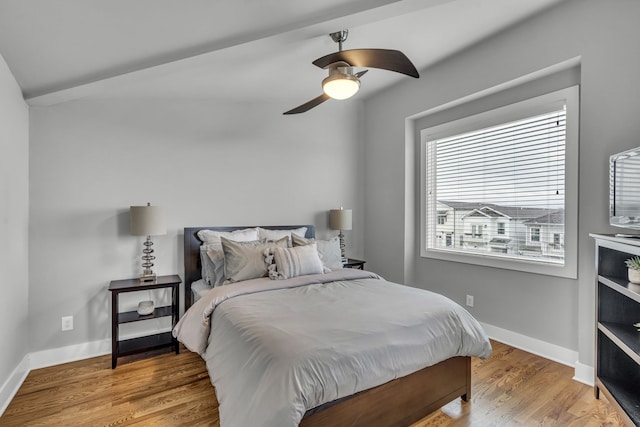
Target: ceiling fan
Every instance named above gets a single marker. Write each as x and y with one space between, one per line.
342 82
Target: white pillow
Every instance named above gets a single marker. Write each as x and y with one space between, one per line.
244 235
263 233
298 261
329 250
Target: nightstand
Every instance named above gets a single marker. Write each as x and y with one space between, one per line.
150 342
354 263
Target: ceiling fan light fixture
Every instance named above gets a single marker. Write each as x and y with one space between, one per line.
341 83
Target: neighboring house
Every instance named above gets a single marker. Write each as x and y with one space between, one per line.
494 228
545 235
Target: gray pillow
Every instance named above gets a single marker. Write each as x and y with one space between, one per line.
245 260
209 270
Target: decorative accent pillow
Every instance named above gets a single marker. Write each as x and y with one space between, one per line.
297 261
244 235
245 260
329 250
263 233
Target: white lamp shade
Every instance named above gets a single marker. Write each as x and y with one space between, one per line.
147 221
340 219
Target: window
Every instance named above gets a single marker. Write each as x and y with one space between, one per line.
535 234
441 219
508 165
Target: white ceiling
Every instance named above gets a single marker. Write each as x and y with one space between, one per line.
227 49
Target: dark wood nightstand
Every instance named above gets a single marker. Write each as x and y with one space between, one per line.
150 342
354 263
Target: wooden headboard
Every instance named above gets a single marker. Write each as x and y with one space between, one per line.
192 265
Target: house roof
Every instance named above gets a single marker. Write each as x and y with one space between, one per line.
494 210
555 217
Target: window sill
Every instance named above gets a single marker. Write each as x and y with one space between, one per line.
506 263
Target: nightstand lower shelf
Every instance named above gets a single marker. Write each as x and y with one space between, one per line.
147 343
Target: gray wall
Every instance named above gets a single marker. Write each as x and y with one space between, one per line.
14 223
205 162
555 310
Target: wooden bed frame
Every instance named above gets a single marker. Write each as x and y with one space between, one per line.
397 403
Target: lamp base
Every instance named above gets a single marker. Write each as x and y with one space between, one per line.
148 277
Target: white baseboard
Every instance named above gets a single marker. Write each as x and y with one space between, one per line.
582 373
13 383
46 358
70 353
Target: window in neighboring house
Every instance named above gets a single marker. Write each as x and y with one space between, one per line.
508 162
449 240
441 219
535 234
556 240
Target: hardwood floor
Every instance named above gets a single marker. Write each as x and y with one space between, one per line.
511 388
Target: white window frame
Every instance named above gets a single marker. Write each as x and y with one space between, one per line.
536 234
512 112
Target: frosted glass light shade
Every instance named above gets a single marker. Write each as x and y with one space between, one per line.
340 86
340 219
147 221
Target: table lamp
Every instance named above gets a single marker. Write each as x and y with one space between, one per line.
340 219
147 221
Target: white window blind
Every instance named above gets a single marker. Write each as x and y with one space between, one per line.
497 185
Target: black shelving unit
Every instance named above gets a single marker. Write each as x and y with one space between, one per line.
146 343
617 373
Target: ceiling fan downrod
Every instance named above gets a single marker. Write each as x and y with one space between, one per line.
340 37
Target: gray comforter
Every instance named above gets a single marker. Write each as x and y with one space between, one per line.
276 348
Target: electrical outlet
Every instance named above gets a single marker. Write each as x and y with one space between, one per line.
67 323
470 300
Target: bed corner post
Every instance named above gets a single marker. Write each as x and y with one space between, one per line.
467 395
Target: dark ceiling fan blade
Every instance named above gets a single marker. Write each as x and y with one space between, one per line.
386 59
308 105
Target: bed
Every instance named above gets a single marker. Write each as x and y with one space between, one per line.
397 401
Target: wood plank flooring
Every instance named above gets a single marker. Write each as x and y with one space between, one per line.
511 388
